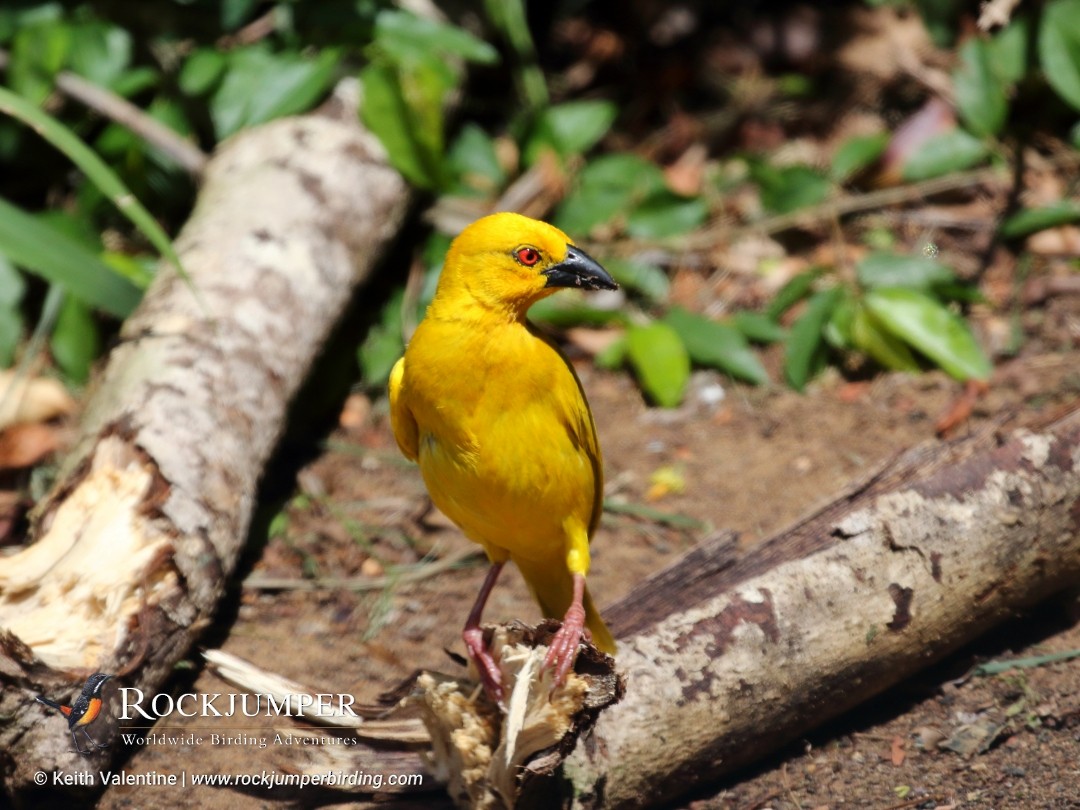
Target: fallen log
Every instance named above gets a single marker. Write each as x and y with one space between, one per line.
133 548
728 659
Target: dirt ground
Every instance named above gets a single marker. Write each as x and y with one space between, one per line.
752 462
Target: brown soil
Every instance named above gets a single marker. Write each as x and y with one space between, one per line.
753 463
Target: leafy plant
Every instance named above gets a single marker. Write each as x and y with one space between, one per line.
895 313
414 66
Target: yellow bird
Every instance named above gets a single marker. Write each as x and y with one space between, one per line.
498 421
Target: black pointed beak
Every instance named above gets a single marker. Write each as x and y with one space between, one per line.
579 270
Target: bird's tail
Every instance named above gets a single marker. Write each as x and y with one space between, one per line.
52 704
553 588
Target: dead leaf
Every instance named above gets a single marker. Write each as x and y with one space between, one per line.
665 481
685 175
25 444
852 392
34 399
592 341
897 753
12 507
356 412
959 410
975 738
934 118
1063 241
371 568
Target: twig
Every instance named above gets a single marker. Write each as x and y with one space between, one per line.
188 156
414 573
848 204
238 672
708 238
996 13
258 29
915 802
672 519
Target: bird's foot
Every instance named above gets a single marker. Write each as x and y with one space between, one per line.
564 645
490 674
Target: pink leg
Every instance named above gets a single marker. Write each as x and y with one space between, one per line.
564 645
490 675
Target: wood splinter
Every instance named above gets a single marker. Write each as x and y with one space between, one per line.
490 758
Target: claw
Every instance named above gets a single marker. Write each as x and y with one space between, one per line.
473 635
486 666
564 645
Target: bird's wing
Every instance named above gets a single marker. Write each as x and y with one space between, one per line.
401 418
582 430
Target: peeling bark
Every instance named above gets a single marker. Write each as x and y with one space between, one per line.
133 548
727 660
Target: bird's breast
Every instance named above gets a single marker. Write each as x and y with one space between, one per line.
496 449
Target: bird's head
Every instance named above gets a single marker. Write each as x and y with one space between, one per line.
95 682
507 262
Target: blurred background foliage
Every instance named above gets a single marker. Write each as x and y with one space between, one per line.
756 178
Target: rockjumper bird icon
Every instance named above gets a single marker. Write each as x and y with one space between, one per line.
84 711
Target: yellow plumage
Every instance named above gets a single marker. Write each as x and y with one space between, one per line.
496 417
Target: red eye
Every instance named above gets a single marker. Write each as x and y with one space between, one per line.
527 256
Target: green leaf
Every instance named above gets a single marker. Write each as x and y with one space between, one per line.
12 290
260 86
788 188
55 256
1030 220
15 16
624 170
718 345
384 343
473 159
570 129
11 334
235 12
980 93
794 291
868 335
570 309
804 350
856 153
508 17
408 38
201 71
99 174
660 361
139 270
647 279
386 114
135 81
608 186
925 324
948 152
424 86
758 327
837 330
665 214
1009 51
38 52
898 270
613 355
12 285
100 52
75 340
1059 48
